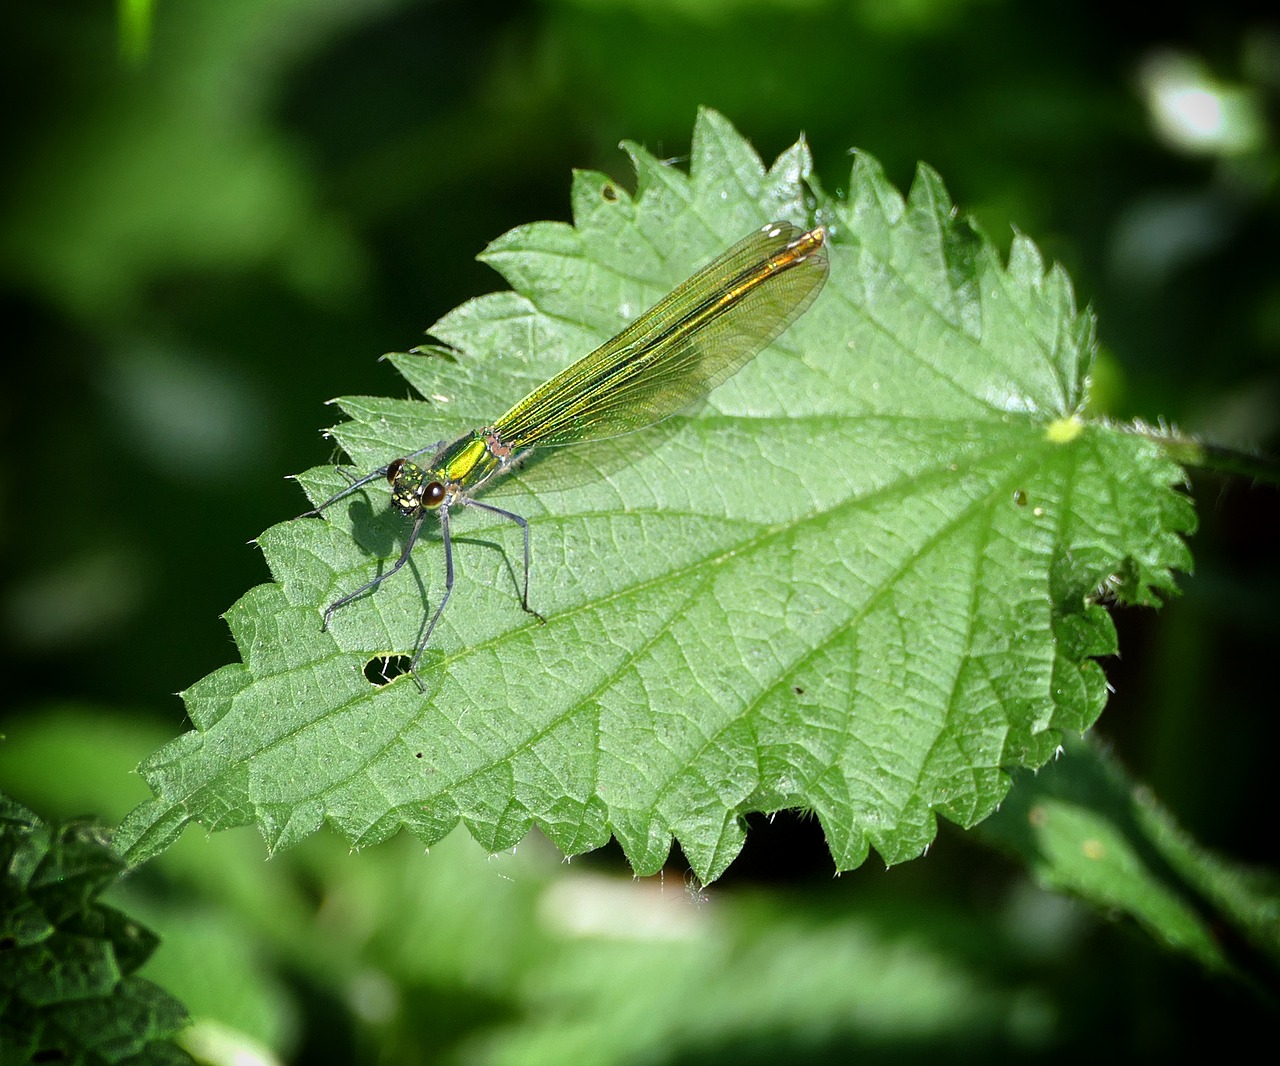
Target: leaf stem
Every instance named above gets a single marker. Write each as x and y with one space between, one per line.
1188 451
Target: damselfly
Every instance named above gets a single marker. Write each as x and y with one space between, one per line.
673 355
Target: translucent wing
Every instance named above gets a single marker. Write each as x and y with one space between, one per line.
701 333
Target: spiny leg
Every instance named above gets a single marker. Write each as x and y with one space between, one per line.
448 588
404 558
524 525
355 485
358 483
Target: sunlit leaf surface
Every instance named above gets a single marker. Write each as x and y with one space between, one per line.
863 579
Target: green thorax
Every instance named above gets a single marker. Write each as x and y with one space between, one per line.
470 460
459 468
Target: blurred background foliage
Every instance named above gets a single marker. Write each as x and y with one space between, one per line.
217 213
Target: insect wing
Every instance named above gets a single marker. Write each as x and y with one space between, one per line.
678 351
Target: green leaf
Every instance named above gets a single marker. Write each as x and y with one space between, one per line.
67 990
1081 826
864 579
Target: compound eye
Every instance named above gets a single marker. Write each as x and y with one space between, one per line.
433 494
393 470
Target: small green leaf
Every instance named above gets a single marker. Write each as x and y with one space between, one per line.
863 579
67 989
1082 827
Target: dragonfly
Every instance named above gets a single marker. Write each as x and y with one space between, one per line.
701 333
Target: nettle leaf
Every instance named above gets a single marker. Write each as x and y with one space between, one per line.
862 580
68 991
1083 826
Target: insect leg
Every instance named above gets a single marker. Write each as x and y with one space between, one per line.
448 588
404 558
524 525
358 483
355 485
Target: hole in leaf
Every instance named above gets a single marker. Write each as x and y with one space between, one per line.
383 669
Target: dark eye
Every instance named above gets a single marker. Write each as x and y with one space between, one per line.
433 494
393 471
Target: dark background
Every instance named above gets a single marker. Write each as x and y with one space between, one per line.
202 243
